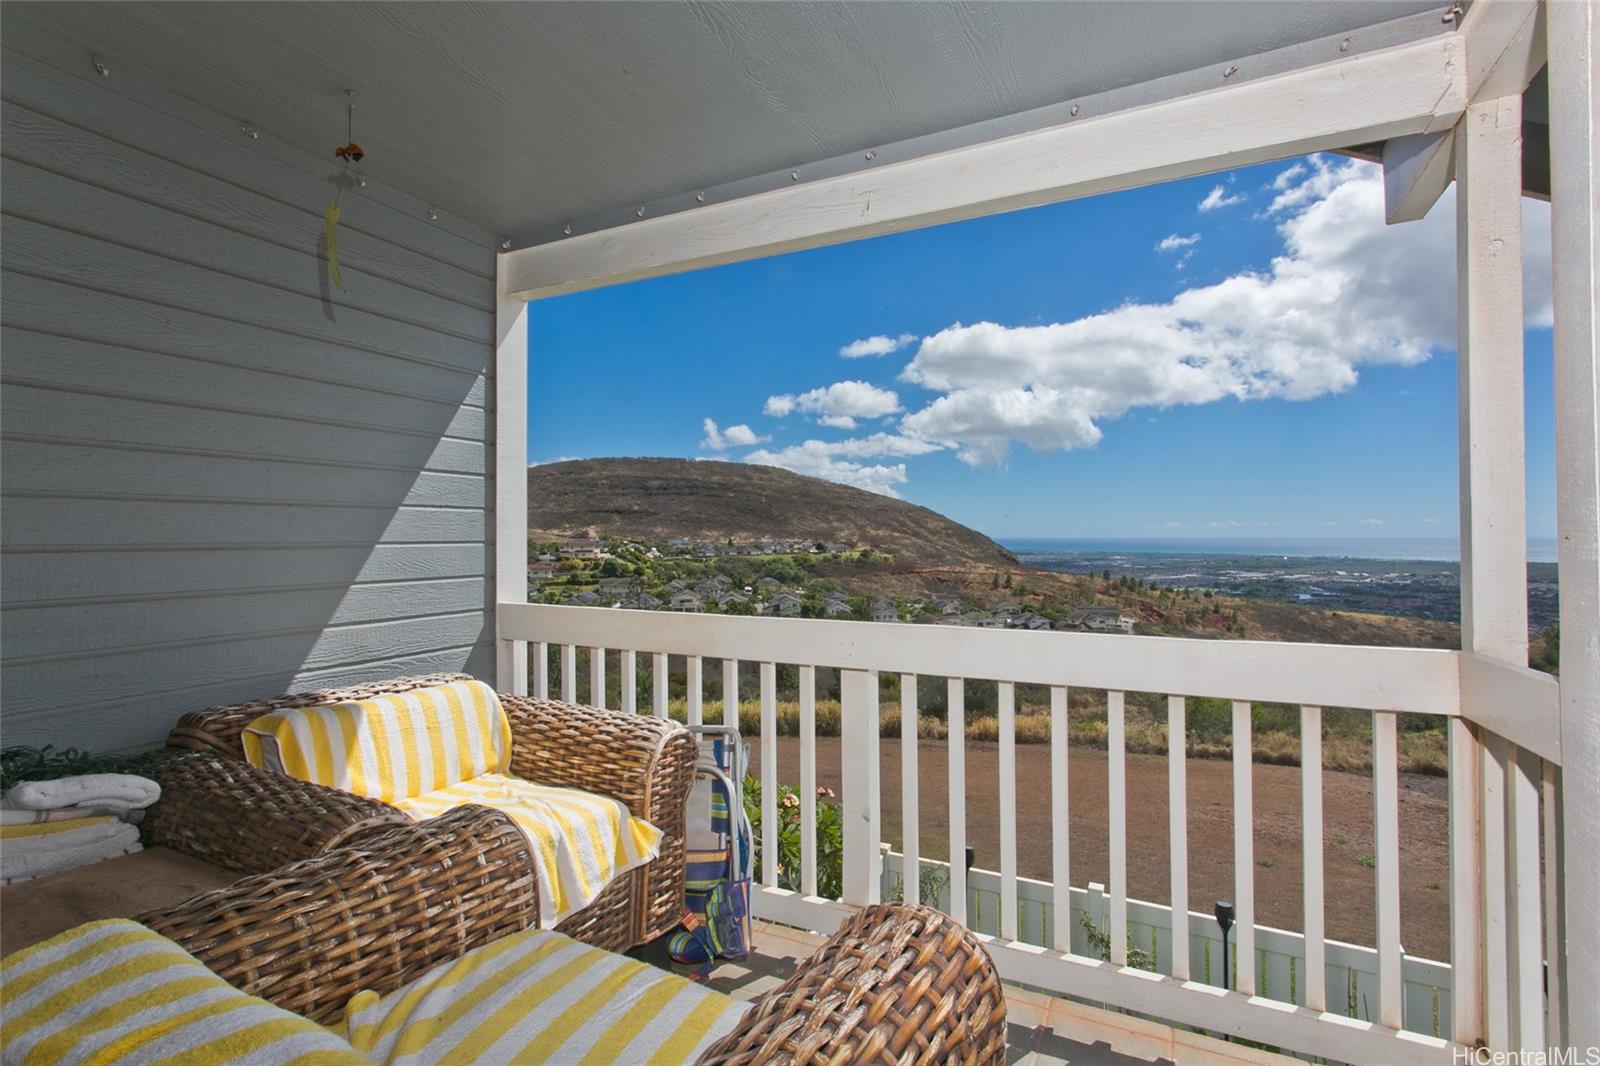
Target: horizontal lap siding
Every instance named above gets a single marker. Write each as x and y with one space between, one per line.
220 478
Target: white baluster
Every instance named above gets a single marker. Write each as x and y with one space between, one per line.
658 683
957 728
569 673
730 692
911 862
1178 832
858 714
1008 810
769 775
1315 981
1060 856
694 691
808 780
1386 846
1244 873
539 652
597 677
628 682
1117 786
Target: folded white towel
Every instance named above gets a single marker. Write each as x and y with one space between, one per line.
60 836
24 816
20 864
116 791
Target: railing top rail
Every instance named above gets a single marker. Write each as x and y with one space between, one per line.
1420 680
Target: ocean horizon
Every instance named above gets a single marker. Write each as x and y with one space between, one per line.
1429 549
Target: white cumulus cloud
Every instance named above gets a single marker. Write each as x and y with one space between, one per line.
740 436
878 345
1347 291
837 405
1218 197
839 460
1173 241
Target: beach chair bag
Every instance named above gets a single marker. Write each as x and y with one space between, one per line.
716 920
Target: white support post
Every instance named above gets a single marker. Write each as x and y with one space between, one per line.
510 474
1494 559
858 728
1386 846
1007 707
808 780
1575 226
693 690
569 673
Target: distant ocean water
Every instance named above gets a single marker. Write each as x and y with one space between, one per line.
1440 549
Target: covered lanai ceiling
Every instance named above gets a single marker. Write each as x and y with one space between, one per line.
520 116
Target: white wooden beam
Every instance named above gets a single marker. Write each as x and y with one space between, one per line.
1505 47
1410 88
1575 226
510 476
1416 171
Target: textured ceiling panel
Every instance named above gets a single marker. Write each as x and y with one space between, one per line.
518 116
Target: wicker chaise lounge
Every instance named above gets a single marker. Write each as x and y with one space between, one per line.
895 984
218 807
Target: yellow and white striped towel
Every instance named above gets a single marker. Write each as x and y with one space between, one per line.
389 747
581 841
114 991
540 997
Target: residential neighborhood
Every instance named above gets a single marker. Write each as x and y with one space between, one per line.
684 575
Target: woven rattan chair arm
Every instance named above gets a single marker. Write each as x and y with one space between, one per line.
374 914
228 812
606 752
217 729
894 981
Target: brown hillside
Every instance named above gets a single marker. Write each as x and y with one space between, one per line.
659 499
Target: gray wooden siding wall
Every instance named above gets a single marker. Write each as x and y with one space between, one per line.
220 480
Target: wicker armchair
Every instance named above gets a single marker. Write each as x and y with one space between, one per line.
895 984
209 792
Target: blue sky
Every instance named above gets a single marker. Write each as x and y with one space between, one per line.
1248 354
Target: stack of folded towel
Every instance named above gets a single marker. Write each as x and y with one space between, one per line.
50 826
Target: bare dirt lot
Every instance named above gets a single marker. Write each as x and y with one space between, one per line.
1347 838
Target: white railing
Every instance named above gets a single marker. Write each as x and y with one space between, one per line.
1494 793
1349 971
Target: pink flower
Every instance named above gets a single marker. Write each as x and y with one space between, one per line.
824 792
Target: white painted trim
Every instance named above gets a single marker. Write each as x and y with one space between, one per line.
1409 88
1424 681
1575 224
510 476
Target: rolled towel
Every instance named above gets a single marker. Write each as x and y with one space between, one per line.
23 859
116 791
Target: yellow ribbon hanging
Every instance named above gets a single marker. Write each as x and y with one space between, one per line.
330 218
